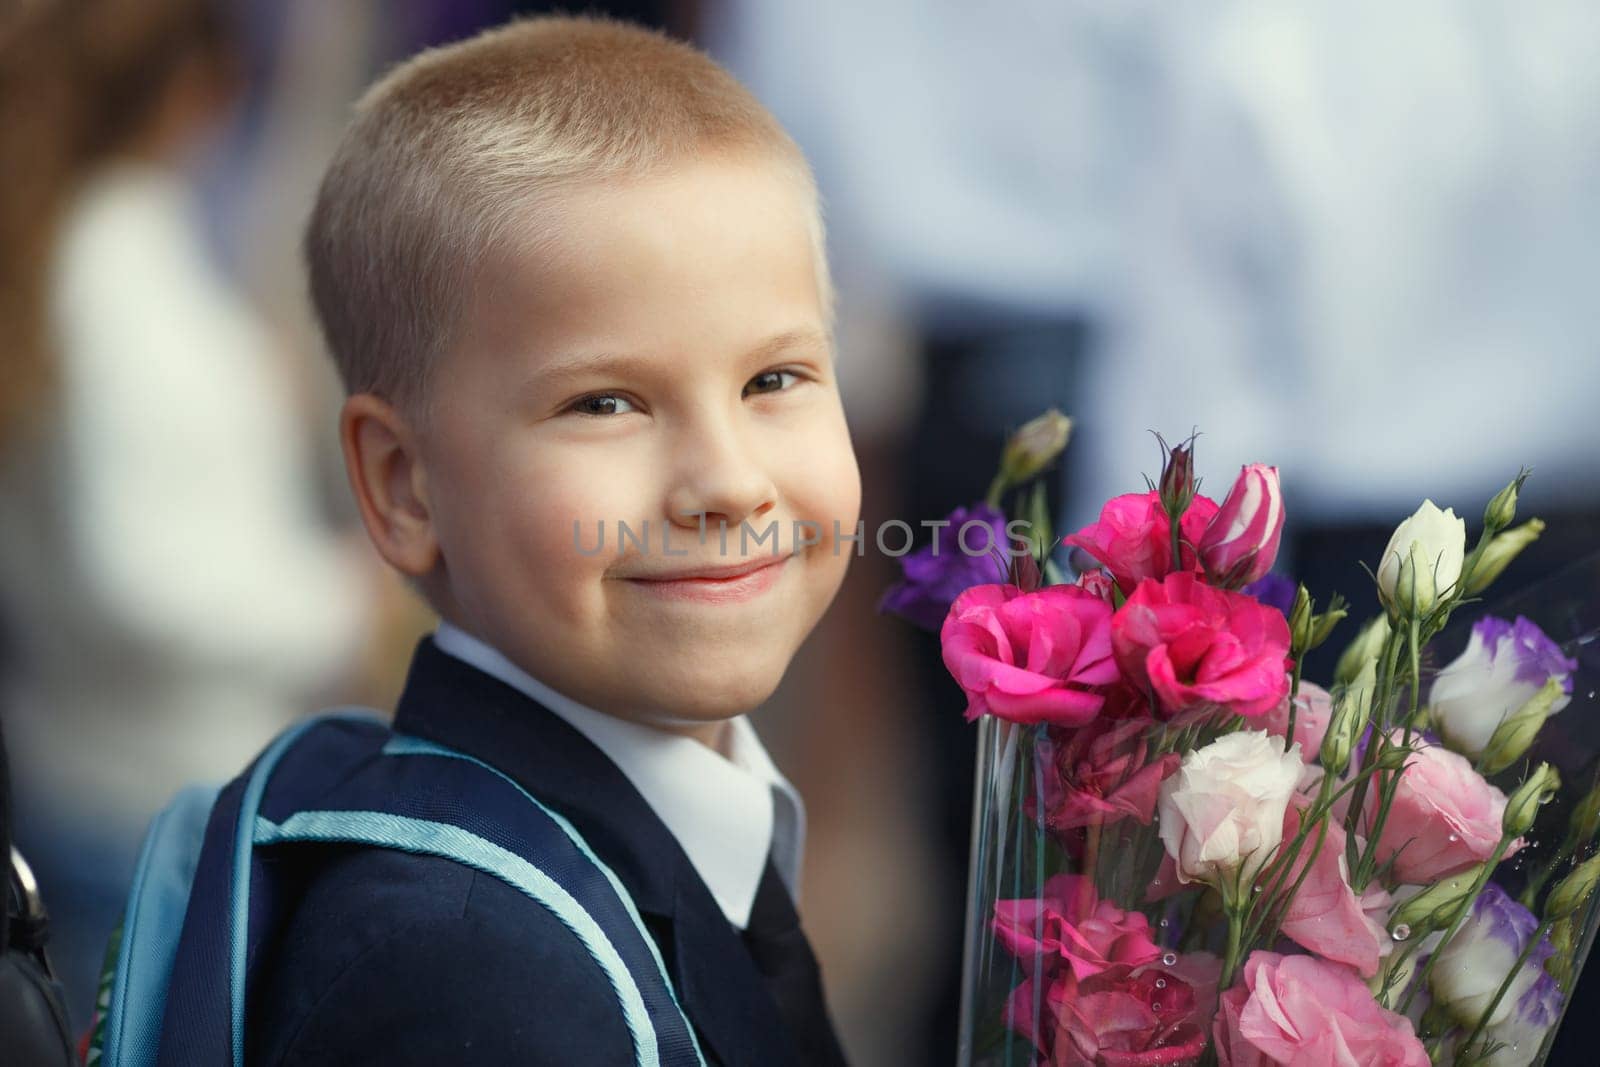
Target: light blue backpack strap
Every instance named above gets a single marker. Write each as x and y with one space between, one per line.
151 926
244 845
427 837
405 745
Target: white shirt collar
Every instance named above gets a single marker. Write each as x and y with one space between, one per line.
725 811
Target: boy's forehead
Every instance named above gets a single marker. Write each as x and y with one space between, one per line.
595 269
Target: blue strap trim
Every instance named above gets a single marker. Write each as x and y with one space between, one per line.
151 926
452 842
243 844
406 745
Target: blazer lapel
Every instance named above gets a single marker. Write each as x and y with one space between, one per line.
454 704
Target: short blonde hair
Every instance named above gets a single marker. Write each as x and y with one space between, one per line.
449 152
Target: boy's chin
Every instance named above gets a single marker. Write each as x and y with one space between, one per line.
717 699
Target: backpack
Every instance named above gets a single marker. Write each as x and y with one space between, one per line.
173 991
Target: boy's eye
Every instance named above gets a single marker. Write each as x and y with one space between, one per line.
771 381
600 404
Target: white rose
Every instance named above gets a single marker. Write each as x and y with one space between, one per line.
1222 813
1438 541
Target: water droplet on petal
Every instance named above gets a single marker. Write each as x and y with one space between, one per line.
1255 889
1165 923
1401 932
1161 983
1170 958
1454 839
1155 1005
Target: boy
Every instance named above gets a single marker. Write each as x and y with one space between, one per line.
572 275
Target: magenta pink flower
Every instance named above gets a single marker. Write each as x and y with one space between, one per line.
1144 1020
1240 543
1302 1010
1100 773
1071 927
1444 818
1133 538
1147 1019
1043 656
1199 648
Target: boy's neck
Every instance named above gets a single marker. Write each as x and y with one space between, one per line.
715 735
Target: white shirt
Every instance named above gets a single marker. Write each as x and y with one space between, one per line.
726 811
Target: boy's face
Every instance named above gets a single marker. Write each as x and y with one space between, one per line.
661 361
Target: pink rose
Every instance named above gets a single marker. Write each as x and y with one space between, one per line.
1043 656
1240 543
1148 1019
1326 916
1314 710
1070 926
1444 819
1302 1011
1200 648
1100 773
1133 539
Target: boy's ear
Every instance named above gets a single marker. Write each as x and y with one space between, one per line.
383 464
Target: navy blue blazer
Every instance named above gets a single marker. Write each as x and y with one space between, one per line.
392 958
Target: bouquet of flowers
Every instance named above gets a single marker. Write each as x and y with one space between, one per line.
1187 853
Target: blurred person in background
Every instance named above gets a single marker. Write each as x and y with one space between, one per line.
169 595
1370 261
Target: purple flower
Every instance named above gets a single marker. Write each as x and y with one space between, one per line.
1473 965
1275 591
934 576
1505 664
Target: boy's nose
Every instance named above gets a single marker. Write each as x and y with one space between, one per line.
719 481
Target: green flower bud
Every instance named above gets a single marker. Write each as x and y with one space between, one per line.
1350 715
1523 807
1499 553
1437 906
1573 891
1300 621
1365 649
1513 736
1585 825
1563 937
1034 446
1502 510
1394 757
1415 589
1322 626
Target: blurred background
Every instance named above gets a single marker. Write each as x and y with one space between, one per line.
1356 240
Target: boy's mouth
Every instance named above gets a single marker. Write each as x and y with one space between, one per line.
716 584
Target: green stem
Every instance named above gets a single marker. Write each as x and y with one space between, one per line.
1389 782
1294 693
1235 930
1542 875
997 489
1369 759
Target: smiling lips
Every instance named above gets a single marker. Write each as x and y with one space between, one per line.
717 585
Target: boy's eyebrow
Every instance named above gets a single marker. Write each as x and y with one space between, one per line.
571 366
